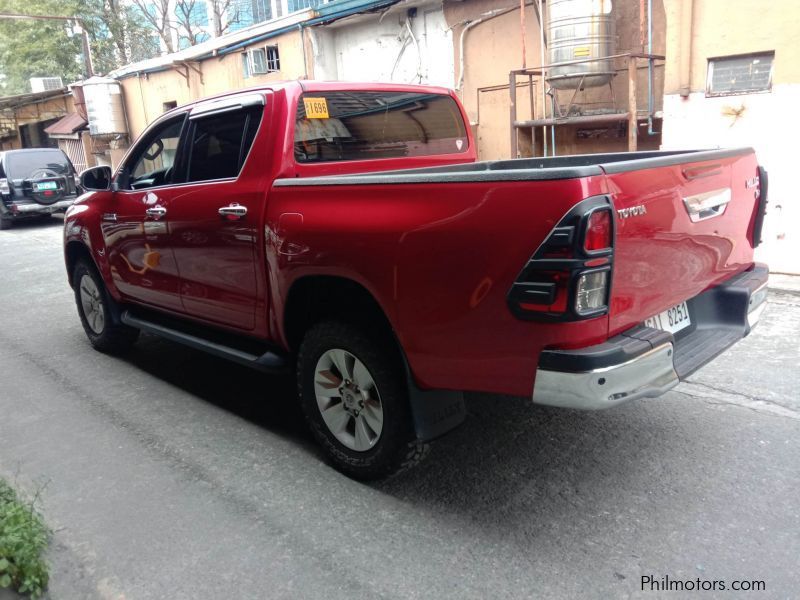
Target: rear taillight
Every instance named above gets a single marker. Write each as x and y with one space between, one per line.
591 292
761 205
569 276
4 187
599 231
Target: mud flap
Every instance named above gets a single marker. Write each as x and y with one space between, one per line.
435 412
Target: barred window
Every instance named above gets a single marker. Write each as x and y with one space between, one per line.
739 74
273 59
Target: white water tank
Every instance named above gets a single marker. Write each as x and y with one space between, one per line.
104 107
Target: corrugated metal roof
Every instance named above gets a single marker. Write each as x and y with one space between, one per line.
66 125
231 42
209 48
30 98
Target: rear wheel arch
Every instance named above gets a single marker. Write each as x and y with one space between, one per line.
314 298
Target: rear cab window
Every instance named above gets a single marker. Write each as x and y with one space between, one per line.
332 126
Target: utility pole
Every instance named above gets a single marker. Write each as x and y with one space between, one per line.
87 55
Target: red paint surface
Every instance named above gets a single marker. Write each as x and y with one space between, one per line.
663 258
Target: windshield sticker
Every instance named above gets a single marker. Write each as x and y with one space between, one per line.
316 108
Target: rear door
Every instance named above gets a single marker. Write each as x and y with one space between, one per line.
682 227
216 212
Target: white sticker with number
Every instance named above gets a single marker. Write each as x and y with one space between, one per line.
673 319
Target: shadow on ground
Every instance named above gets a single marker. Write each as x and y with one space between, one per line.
509 461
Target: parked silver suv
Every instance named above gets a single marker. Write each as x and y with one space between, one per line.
35 182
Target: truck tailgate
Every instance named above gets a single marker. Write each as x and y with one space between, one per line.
683 226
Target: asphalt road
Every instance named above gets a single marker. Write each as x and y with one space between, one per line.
171 474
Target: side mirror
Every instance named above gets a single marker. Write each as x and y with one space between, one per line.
96 179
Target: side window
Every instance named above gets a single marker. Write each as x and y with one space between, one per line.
152 161
220 144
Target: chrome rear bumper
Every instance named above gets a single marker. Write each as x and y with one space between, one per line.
648 375
41 209
645 362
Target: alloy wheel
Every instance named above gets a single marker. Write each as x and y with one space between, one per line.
92 304
348 399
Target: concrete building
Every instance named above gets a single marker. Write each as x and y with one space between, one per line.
733 79
729 77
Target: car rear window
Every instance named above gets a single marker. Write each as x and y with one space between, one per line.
355 125
22 165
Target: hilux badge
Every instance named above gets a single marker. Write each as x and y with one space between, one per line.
632 211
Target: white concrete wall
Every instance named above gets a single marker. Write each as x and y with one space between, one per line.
381 49
767 123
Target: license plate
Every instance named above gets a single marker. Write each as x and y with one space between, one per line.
673 319
45 185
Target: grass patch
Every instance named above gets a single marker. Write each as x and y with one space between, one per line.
23 540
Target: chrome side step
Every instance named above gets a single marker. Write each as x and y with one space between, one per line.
268 362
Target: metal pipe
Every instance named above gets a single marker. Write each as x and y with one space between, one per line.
416 46
586 120
553 129
588 60
650 99
544 76
469 25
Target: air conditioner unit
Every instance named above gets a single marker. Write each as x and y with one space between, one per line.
42 84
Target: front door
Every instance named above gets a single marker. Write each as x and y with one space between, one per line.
215 215
136 233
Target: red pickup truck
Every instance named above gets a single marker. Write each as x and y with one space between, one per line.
346 232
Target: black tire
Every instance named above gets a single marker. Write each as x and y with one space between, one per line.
109 336
397 447
6 223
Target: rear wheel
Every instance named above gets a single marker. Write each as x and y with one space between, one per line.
94 308
5 223
356 402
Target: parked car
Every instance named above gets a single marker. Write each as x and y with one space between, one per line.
35 182
345 232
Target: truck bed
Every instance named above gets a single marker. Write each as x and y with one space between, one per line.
527 169
447 243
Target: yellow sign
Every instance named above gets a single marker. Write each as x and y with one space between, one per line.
316 108
580 52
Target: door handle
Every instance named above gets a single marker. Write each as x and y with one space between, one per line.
233 211
707 205
156 212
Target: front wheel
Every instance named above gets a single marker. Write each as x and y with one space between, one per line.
94 308
356 402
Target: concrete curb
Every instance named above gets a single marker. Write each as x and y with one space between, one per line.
784 283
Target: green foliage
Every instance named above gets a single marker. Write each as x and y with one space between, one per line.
117 32
37 48
23 539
